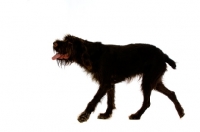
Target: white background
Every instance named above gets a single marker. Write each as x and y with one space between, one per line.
38 96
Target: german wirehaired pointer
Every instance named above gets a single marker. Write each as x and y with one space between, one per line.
111 64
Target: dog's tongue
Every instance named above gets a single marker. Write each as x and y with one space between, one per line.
60 56
56 56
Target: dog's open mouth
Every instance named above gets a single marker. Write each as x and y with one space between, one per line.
60 56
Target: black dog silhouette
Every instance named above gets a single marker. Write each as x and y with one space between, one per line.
111 64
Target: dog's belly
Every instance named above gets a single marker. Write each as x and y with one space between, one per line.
117 80
123 75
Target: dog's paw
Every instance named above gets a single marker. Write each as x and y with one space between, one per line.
104 116
134 117
84 116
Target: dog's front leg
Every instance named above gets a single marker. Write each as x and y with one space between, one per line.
84 116
110 104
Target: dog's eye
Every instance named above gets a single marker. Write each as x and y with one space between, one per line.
55 44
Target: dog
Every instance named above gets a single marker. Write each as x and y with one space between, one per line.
111 64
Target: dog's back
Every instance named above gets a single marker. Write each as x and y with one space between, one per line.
130 59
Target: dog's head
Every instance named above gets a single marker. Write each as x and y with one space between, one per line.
71 49
63 51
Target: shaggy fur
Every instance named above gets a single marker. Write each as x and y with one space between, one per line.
111 64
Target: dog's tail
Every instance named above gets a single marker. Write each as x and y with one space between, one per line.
170 61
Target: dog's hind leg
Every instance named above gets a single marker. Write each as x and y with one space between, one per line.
110 104
171 95
151 77
84 116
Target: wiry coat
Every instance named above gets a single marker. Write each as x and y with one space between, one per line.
111 64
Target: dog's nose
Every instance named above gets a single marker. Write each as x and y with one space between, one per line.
55 44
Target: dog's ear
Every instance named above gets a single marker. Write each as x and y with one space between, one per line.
86 58
69 48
